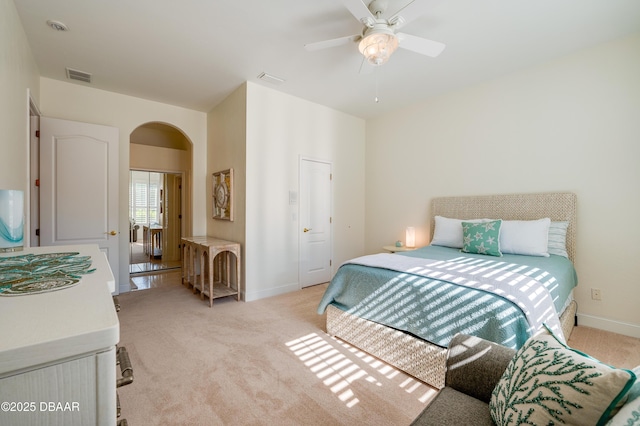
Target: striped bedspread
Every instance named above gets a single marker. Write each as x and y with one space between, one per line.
502 301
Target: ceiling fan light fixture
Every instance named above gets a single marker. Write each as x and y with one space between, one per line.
377 47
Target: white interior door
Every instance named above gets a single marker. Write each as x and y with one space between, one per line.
315 222
79 186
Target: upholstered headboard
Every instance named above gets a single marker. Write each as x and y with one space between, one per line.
558 206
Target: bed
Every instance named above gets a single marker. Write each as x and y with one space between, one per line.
404 308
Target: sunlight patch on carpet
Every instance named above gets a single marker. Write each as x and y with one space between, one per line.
337 371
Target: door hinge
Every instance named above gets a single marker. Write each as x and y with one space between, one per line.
38 232
37 182
330 262
37 133
330 219
330 176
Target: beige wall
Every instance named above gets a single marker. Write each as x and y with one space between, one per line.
280 130
226 136
18 76
154 158
81 103
569 125
262 134
160 135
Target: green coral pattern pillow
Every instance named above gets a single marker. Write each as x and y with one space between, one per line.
548 383
481 238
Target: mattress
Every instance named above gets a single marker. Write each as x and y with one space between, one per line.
435 308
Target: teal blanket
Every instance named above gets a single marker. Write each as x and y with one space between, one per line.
435 309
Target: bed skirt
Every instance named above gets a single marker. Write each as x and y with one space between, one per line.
414 356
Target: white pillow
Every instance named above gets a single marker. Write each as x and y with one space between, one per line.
527 237
448 232
558 238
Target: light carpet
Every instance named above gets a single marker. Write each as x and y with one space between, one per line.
270 362
257 363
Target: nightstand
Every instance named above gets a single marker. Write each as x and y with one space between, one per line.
395 249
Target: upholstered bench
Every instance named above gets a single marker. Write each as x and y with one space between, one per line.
551 383
474 367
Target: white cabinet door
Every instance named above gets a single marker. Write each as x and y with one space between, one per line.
78 392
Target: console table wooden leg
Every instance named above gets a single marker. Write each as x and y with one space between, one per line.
203 270
185 264
197 256
229 271
238 269
212 257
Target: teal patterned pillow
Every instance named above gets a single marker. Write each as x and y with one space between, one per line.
481 238
548 383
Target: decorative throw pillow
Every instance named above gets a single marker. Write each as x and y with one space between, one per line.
481 238
448 232
558 238
629 414
548 383
634 393
526 237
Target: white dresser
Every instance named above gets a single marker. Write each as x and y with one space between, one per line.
57 350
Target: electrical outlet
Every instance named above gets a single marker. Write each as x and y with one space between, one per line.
595 294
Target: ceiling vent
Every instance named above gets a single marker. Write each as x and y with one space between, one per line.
57 25
270 78
78 75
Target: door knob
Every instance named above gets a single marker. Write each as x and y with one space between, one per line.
113 233
306 229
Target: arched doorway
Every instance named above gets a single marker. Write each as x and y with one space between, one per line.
160 163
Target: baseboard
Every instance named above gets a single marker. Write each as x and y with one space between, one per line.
606 324
262 294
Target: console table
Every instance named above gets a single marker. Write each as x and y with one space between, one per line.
152 240
195 251
190 260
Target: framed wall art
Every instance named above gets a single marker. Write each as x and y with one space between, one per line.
223 195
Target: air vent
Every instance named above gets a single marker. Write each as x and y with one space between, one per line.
78 75
57 25
270 78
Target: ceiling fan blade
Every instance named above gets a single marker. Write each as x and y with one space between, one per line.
420 45
331 43
359 9
413 10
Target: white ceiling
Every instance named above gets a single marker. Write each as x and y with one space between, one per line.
194 53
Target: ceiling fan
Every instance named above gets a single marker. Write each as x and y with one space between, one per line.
379 38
